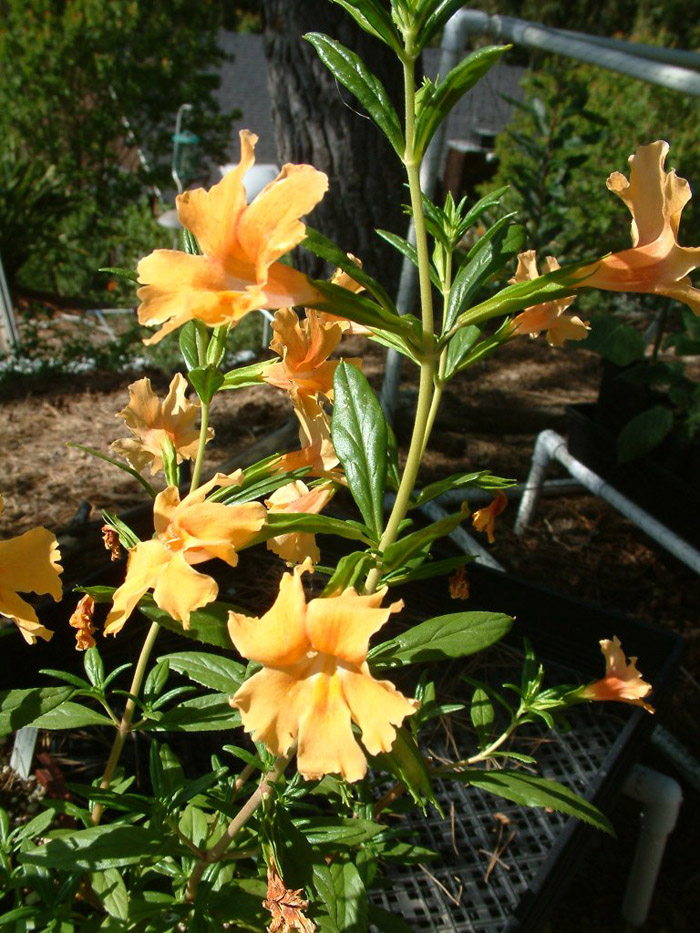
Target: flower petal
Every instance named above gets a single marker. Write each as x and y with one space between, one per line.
181 590
146 562
278 638
271 703
29 563
343 625
327 744
23 615
376 706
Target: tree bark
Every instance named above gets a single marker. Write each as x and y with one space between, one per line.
318 122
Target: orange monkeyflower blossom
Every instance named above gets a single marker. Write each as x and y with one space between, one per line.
304 346
82 621
485 519
656 264
622 681
29 563
238 270
188 532
296 546
317 450
154 424
548 316
344 280
315 680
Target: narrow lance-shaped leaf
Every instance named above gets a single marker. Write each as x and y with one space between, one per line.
338 300
350 70
530 791
359 434
442 97
432 16
374 19
21 707
452 636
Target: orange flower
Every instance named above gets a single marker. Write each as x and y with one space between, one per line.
297 497
622 681
29 563
315 680
188 532
656 264
305 370
317 449
344 280
485 519
155 423
549 316
82 621
240 243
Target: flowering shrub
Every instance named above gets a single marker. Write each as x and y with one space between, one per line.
316 697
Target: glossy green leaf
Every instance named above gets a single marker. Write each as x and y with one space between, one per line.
207 380
451 636
210 713
481 479
109 886
349 69
279 523
97 848
207 625
190 339
502 242
408 765
442 97
426 570
71 715
246 375
396 555
350 898
643 433
383 920
129 274
330 832
321 246
432 16
127 538
239 904
216 348
409 251
349 570
210 670
22 707
374 19
359 433
459 346
94 668
340 301
482 714
530 791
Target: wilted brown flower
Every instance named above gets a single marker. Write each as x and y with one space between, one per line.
82 621
111 541
287 907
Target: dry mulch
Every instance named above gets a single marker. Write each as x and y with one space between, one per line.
491 416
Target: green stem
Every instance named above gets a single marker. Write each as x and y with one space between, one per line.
127 717
199 460
216 853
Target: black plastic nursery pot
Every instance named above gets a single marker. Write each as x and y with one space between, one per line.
658 483
465 888
501 867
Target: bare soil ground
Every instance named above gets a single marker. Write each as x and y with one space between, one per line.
491 416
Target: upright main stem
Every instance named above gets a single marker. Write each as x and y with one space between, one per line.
419 437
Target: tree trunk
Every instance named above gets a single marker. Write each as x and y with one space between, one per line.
318 122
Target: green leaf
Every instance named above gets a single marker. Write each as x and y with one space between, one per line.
359 433
126 536
71 715
614 339
350 569
400 551
210 713
239 903
374 19
94 668
379 917
342 302
97 848
459 346
117 463
207 380
22 707
482 714
349 69
450 636
279 523
643 433
111 890
408 765
350 898
210 670
497 247
432 16
216 349
129 274
208 625
409 251
427 569
530 791
443 96
321 246
190 340
330 832
246 375
482 479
